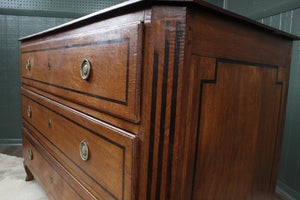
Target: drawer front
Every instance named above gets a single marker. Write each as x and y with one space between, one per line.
58 66
109 169
54 179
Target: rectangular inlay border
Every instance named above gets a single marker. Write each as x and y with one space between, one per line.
120 40
91 131
214 81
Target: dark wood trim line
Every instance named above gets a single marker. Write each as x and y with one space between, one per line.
152 121
214 81
178 35
223 60
277 132
40 180
198 124
29 140
25 120
101 136
163 109
76 91
119 40
76 111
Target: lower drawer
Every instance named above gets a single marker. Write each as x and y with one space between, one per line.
55 179
102 157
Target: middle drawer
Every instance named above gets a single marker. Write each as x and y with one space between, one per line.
111 159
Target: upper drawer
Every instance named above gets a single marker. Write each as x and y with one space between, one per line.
113 85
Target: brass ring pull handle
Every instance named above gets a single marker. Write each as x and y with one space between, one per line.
85 69
28 64
29 111
30 157
84 150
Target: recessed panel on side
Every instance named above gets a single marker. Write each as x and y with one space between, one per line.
239 113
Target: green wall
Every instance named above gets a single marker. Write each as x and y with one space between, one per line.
55 8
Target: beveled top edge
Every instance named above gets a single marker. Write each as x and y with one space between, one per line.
139 4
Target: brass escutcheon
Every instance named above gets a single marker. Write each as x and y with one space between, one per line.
30 154
48 64
49 123
84 150
85 69
29 111
28 64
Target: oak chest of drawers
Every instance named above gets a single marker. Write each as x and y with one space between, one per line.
155 100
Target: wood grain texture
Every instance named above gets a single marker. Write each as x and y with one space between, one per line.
228 39
238 121
230 146
29 175
268 60
209 100
108 147
114 82
109 119
162 94
54 179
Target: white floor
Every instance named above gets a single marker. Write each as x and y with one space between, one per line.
12 181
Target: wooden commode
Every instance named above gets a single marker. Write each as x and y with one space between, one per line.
155 100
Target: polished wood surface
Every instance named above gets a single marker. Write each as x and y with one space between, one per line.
114 82
238 120
113 120
162 94
54 179
206 102
227 39
108 146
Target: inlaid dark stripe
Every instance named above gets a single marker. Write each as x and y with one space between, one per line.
29 140
152 122
173 109
108 123
27 124
83 93
198 124
74 122
223 60
163 110
214 81
127 72
91 131
119 40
